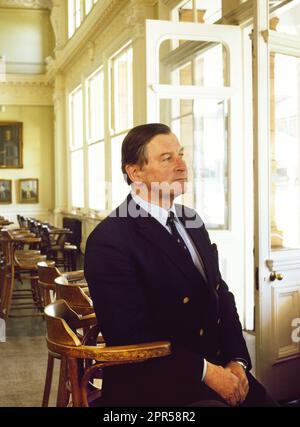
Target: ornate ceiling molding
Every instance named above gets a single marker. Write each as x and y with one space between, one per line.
28 4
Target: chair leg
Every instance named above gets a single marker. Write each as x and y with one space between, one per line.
63 394
48 380
74 377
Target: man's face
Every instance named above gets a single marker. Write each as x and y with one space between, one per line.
166 171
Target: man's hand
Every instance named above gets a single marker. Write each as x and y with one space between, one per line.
225 383
239 372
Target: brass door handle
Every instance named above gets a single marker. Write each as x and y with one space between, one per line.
275 276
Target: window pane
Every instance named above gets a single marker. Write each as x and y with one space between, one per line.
210 162
77 13
88 6
71 17
76 119
122 89
285 152
203 133
120 189
96 169
77 179
95 110
209 59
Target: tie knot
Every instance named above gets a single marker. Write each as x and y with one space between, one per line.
171 218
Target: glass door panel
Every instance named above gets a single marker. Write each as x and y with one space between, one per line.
285 152
201 126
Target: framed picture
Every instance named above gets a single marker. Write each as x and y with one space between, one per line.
5 191
29 190
11 145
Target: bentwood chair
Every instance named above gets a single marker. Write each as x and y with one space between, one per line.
85 360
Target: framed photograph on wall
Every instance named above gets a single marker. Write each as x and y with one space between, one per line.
5 191
11 145
29 190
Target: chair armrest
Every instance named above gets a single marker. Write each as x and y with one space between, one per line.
125 353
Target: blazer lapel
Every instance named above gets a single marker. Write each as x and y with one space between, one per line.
155 233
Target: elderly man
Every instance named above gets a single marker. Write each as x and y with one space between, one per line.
153 275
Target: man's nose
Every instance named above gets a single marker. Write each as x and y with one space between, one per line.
181 164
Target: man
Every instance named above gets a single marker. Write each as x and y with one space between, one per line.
153 275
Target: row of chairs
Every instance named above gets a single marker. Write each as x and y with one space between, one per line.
53 243
74 337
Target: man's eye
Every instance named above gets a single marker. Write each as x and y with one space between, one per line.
166 158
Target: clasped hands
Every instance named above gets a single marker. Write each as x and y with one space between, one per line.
230 383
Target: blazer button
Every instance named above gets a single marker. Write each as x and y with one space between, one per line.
217 287
201 332
185 300
218 353
219 321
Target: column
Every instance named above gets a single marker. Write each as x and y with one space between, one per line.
60 150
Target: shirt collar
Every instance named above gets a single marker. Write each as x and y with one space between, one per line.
157 212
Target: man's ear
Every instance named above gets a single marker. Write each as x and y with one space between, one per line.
134 172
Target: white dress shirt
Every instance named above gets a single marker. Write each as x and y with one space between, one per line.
161 215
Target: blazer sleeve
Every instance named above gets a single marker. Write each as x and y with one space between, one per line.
233 345
121 305
119 301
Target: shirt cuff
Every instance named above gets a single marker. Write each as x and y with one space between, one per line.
204 369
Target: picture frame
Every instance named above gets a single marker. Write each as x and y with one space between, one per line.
11 145
5 191
29 190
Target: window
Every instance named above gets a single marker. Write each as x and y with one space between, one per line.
95 140
75 15
285 152
122 102
77 10
100 115
121 117
76 148
200 122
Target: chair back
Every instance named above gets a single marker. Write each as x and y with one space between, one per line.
61 323
47 273
74 295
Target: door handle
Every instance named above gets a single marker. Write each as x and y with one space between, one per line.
275 276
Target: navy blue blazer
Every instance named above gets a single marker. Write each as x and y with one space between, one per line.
146 288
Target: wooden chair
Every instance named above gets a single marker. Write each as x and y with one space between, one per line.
18 262
48 274
62 323
55 244
74 294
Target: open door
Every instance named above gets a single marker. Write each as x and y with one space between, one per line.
194 84
277 191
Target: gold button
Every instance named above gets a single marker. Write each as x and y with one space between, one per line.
201 332
217 287
185 300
